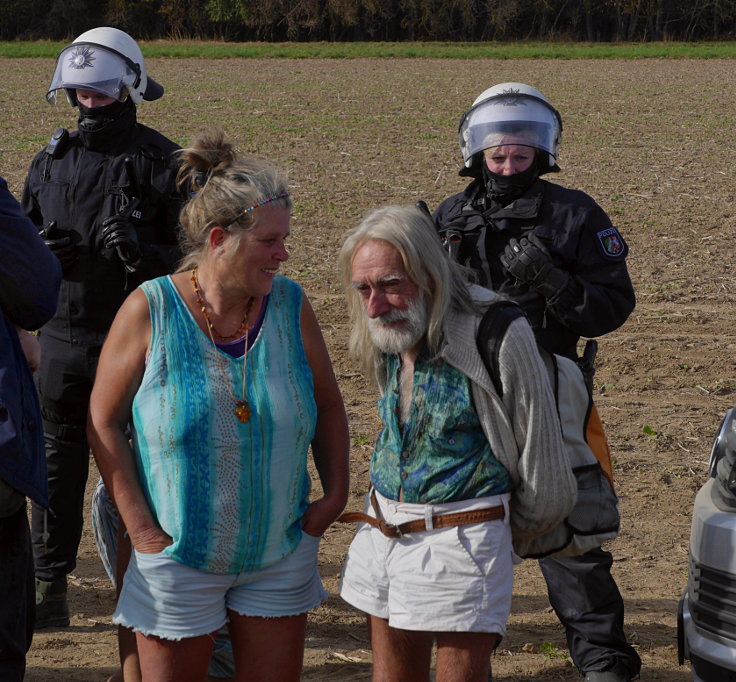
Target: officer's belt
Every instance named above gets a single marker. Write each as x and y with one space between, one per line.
71 432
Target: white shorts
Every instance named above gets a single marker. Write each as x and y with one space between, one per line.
456 579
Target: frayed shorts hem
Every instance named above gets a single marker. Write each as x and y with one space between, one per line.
269 616
152 632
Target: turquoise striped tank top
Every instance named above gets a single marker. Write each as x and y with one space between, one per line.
230 494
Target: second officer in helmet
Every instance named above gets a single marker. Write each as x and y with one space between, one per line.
104 199
550 248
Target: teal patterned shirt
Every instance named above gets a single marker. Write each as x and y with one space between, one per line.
441 454
230 494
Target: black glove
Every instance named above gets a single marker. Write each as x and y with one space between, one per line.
61 247
528 261
119 234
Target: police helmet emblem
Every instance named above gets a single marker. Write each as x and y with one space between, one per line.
510 98
611 242
81 57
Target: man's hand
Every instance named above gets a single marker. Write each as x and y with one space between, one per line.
119 234
61 247
528 261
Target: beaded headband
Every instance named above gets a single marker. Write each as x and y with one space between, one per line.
283 195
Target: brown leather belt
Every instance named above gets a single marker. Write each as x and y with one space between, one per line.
438 521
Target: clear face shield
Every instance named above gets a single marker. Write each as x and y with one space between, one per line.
85 66
509 119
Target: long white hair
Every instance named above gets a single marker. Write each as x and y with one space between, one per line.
411 232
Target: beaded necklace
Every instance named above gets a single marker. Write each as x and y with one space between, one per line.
242 327
242 409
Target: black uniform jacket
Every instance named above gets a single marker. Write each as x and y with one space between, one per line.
79 188
580 239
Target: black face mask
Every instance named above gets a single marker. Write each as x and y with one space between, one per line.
95 118
100 126
506 188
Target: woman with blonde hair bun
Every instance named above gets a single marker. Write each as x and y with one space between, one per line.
222 373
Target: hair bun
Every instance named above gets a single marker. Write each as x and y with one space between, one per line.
208 154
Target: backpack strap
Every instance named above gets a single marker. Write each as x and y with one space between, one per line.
491 330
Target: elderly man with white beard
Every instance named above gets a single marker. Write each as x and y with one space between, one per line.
458 474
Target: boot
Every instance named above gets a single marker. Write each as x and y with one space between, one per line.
52 610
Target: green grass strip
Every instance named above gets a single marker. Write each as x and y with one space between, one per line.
325 50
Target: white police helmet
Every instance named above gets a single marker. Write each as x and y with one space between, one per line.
104 60
510 113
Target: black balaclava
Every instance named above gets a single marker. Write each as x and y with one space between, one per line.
503 189
101 127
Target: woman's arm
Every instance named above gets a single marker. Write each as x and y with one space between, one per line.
31 348
331 443
119 375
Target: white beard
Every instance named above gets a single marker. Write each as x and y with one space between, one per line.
393 340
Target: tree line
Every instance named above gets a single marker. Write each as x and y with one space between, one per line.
371 20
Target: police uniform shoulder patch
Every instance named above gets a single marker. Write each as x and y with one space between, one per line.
612 243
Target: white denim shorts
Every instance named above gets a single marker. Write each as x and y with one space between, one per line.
456 579
165 598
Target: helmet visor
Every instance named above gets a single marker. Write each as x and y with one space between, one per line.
509 119
91 67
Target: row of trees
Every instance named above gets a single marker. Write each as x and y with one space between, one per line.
391 20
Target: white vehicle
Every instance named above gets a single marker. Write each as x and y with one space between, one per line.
706 619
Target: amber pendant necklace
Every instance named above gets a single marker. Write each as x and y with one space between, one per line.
242 408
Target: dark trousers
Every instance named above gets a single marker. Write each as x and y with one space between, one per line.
587 601
17 595
65 381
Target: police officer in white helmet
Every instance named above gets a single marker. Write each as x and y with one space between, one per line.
103 198
555 252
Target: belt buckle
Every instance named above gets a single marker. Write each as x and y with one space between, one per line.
389 529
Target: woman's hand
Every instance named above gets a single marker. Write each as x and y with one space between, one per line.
151 542
320 515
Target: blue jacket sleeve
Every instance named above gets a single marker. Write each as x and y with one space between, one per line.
30 274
